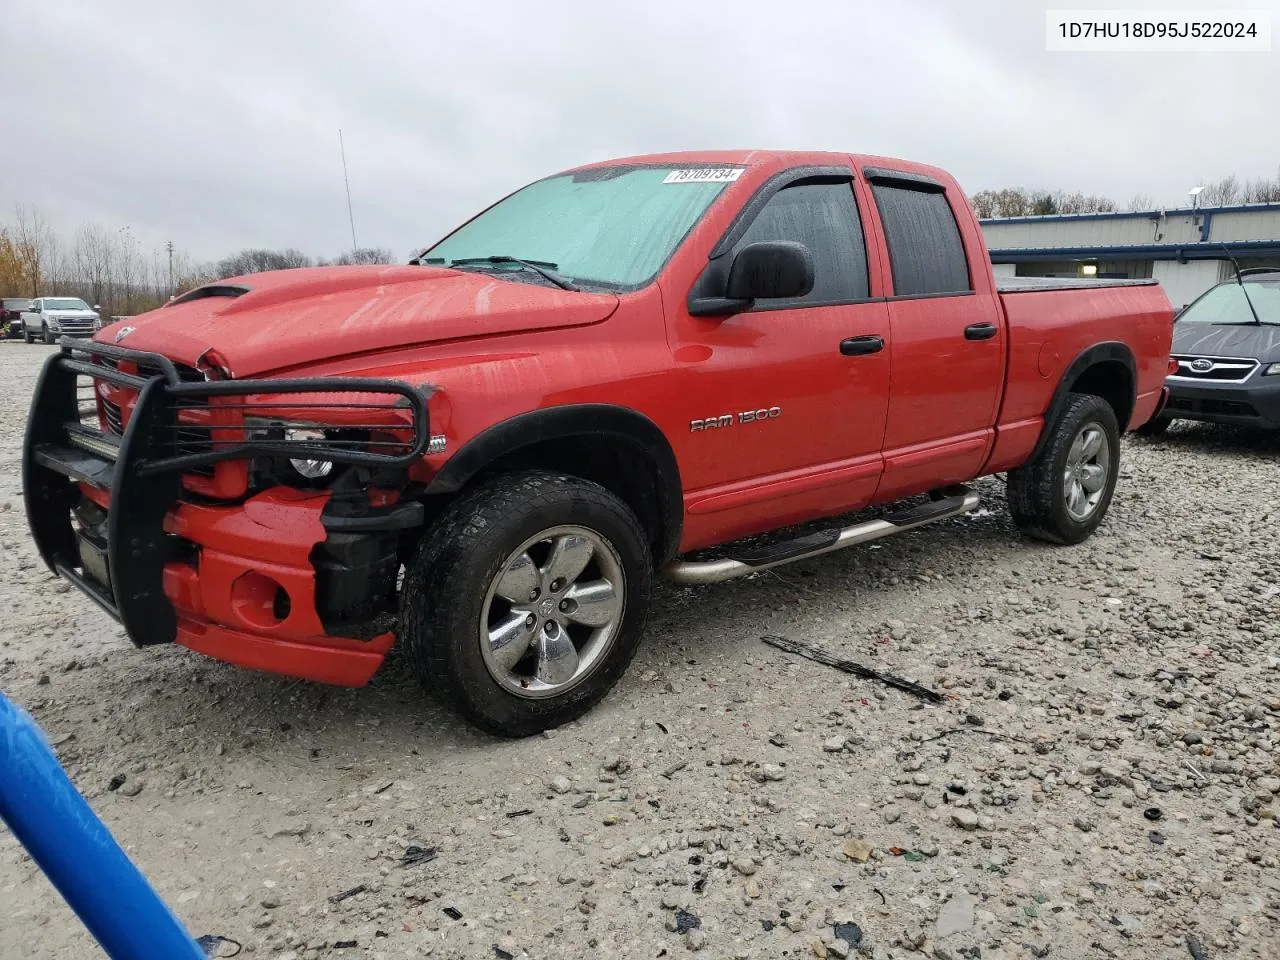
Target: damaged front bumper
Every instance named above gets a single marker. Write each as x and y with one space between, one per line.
294 581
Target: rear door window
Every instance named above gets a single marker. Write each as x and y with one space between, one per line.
925 250
823 217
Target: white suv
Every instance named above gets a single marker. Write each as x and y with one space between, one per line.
54 317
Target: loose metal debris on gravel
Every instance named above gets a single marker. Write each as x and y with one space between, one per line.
1140 669
848 666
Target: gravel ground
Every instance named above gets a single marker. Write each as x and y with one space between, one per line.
1099 783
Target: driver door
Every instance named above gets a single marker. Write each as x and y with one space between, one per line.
786 401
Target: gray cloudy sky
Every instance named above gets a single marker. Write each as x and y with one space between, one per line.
215 124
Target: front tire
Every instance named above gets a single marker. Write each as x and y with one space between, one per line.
526 601
26 335
1062 495
45 335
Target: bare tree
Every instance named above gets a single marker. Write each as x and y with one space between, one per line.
127 273
984 204
37 248
1223 193
187 274
1140 202
1013 202
106 265
1261 190
257 260
1078 202
92 262
365 255
1020 202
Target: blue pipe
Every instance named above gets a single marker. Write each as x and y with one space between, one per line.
77 852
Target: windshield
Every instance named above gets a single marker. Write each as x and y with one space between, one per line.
1226 303
65 303
16 304
611 226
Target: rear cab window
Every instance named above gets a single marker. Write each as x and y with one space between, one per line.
926 253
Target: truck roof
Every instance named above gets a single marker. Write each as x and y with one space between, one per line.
778 159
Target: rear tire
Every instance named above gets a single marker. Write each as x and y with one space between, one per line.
1155 426
1062 495
576 566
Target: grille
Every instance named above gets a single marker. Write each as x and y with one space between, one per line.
185 374
185 441
115 422
1215 369
188 440
75 325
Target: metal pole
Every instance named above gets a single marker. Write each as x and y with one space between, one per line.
169 246
350 216
77 852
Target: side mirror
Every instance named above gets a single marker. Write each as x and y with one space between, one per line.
96 307
770 270
34 308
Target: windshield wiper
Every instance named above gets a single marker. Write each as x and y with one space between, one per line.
543 267
1248 299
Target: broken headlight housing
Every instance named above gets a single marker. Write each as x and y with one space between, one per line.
309 469
308 438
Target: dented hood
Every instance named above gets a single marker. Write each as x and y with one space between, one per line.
290 318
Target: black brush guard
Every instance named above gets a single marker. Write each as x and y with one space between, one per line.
142 469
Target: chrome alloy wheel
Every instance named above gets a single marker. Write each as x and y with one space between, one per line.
552 612
1085 477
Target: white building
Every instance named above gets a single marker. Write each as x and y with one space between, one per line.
1187 250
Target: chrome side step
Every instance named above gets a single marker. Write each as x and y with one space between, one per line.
751 560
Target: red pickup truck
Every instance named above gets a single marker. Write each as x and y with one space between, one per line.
489 453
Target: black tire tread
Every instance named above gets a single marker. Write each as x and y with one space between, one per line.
430 612
1033 490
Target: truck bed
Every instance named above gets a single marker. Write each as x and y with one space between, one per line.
1028 284
1049 331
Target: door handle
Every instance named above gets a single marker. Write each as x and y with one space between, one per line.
859 346
980 331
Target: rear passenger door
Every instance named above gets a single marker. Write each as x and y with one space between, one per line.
948 342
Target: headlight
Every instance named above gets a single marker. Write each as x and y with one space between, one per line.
97 323
1271 369
310 469
54 326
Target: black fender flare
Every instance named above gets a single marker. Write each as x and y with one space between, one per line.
1109 351
577 420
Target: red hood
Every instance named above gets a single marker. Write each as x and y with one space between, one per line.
297 317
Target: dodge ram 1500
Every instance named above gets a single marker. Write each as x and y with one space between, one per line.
488 454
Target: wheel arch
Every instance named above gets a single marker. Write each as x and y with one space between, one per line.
617 447
1106 370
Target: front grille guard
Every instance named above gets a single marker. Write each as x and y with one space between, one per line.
185 443
142 474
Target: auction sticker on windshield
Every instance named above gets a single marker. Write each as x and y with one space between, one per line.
705 175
